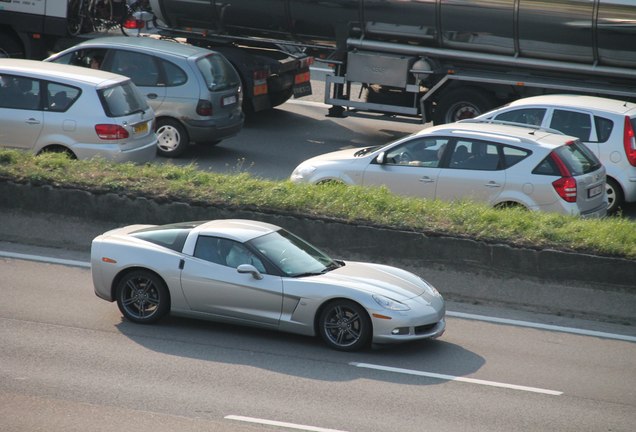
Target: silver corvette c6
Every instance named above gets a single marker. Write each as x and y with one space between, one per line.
255 273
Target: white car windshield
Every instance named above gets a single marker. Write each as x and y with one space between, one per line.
292 255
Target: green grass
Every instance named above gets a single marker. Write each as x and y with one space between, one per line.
369 206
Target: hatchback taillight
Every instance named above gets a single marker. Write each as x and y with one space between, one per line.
629 141
566 185
132 23
111 132
566 188
204 107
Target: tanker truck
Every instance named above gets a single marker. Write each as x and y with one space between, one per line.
432 60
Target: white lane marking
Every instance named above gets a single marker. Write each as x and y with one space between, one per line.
463 315
281 424
44 259
551 327
455 378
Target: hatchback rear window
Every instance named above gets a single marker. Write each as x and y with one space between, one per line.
576 157
218 73
122 100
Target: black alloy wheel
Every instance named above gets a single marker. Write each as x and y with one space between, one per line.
345 326
142 297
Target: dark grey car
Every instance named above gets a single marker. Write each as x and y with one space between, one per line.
195 92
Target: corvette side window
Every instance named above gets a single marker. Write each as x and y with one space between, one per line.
208 248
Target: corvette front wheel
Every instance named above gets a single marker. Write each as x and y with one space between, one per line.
345 326
142 297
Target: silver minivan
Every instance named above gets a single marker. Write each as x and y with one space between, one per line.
195 92
84 113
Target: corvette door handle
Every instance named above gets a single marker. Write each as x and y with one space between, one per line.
426 179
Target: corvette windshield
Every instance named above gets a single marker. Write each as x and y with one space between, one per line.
292 255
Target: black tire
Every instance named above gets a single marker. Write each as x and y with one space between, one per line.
462 103
615 197
172 138
345 326
10 47
142 297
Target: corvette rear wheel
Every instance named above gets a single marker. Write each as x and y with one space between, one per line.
345 326
142 297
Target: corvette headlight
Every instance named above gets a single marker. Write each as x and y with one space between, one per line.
390 304
302 172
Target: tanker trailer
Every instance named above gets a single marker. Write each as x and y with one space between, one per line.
439 60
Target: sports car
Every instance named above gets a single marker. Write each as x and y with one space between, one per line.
254 273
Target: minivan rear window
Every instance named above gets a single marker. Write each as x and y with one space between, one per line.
122 100
218 73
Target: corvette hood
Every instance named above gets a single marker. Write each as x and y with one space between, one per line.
375 279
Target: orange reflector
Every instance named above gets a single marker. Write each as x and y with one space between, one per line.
302 78
109 260
260 89
375 315
521 84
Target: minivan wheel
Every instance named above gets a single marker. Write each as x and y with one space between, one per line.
172 138
614 196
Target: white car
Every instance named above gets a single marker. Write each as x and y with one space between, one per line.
254 273
46 107
502 165
605 126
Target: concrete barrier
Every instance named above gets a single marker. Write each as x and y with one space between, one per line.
353 240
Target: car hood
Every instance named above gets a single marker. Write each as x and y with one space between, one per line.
339 155
375 279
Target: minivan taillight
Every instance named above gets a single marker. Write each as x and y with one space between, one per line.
111 131
566 185
204 107
629 141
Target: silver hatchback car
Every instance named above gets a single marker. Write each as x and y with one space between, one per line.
85 113
606 126
195 93
501 165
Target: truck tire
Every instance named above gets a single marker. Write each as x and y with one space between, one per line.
462 103
10 47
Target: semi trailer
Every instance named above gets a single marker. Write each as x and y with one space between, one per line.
439 60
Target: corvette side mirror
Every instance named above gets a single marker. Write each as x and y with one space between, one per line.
249 268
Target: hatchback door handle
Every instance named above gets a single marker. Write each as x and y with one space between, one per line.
32 121
426 179
152 95
492 184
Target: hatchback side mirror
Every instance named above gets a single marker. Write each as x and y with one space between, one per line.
249 268
381 159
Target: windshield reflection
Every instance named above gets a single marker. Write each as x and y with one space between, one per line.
292 255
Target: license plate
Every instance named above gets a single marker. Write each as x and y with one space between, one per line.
140 128
229 100
303 89
596 190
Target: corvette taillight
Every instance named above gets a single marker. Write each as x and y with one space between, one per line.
629 141
111 132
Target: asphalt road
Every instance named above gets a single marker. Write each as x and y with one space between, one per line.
70 363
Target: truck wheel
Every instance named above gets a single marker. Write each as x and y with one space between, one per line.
10 47
172 138
462 103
